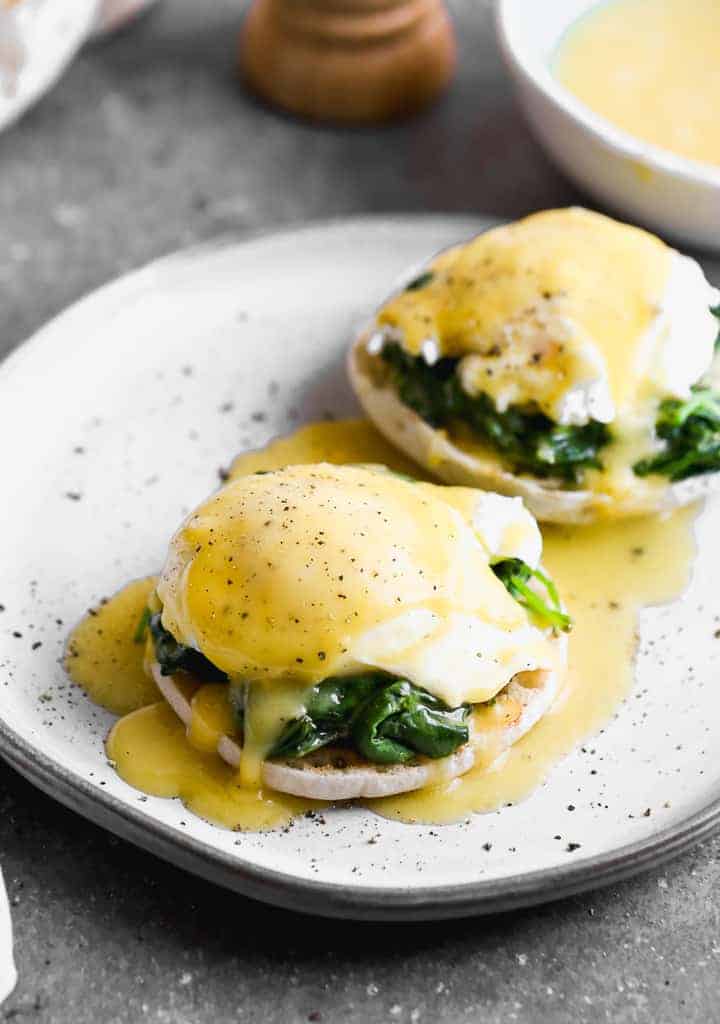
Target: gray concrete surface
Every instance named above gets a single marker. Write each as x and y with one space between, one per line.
149 144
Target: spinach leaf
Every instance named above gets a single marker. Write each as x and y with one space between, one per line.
175 657
528 439
715 310
389 721
420 281
301 736
336 700
329 714
428 390
141 628
516 575
691 432
401 721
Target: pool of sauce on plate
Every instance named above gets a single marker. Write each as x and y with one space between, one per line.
650 67
150 751
606 573
149 746
104 656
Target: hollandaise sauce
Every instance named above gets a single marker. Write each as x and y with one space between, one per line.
106 651
650 67
606 574
545 276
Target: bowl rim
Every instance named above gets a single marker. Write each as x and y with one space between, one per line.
603 130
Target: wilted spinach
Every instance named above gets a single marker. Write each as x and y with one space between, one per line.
516 576
691 432
528 439
175 657
388 720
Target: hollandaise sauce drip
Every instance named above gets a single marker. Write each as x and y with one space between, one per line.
268 708
551 279
605 573
149 746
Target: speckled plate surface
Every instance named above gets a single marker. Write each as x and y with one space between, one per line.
116 418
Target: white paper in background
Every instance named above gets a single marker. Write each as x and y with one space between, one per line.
38 39
115 13
8 975
12 49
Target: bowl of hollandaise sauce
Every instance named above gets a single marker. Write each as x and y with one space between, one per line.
623 95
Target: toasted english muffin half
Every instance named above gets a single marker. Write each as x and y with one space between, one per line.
445 457
336 774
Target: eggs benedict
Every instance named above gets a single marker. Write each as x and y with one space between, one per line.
356 633
566 358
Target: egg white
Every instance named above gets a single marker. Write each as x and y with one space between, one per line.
461 658
676 350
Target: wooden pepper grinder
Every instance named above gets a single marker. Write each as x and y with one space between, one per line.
348 60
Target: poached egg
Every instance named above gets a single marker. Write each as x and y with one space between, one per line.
320 570
580 315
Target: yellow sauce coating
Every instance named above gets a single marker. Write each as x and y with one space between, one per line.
103 656
149 746
151 752
651 68
268 708
530 304
341 442
212 717
276 575
605 573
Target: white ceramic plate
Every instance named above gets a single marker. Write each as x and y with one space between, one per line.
137 375
52 31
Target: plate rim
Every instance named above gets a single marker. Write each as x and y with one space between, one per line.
333 899
280 888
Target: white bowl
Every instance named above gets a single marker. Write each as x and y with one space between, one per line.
675 196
